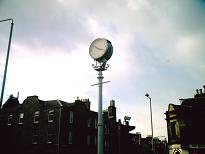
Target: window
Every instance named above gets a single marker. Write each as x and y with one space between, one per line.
95 140
35 136
21 118
50 115
173 130
71 117
50 136
96 123
36 116
106 128
70 137
88 140
10 119
89 122
106 143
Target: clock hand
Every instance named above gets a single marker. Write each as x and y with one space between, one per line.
98 48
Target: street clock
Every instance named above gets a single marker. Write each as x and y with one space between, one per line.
101 49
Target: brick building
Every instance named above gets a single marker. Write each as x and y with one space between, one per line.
117 139
185 125
58 127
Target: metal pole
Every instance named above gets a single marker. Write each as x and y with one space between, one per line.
7 59
151 123
100 118
59 130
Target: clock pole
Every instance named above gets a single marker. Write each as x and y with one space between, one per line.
100 66
101 51
100 118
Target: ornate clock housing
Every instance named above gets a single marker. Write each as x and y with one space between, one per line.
101 49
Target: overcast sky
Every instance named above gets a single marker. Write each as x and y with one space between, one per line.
158 46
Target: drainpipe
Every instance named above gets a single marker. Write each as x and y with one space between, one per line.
59 127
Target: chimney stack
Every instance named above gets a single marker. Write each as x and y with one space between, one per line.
204 88
119 121
112 103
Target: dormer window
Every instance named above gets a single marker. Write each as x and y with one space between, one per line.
50 115
10 119
36 117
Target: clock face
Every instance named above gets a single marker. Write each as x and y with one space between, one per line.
98 48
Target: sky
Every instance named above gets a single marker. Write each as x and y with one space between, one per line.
158 48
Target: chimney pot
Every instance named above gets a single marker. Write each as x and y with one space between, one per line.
200 91
197 91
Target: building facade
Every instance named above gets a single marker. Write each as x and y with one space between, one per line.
185 125
37 126
58 127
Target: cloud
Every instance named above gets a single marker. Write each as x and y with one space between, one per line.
49 24
158 48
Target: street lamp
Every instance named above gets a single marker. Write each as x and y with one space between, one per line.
150 102
7 59
101 51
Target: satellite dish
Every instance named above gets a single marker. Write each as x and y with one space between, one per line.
126 118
